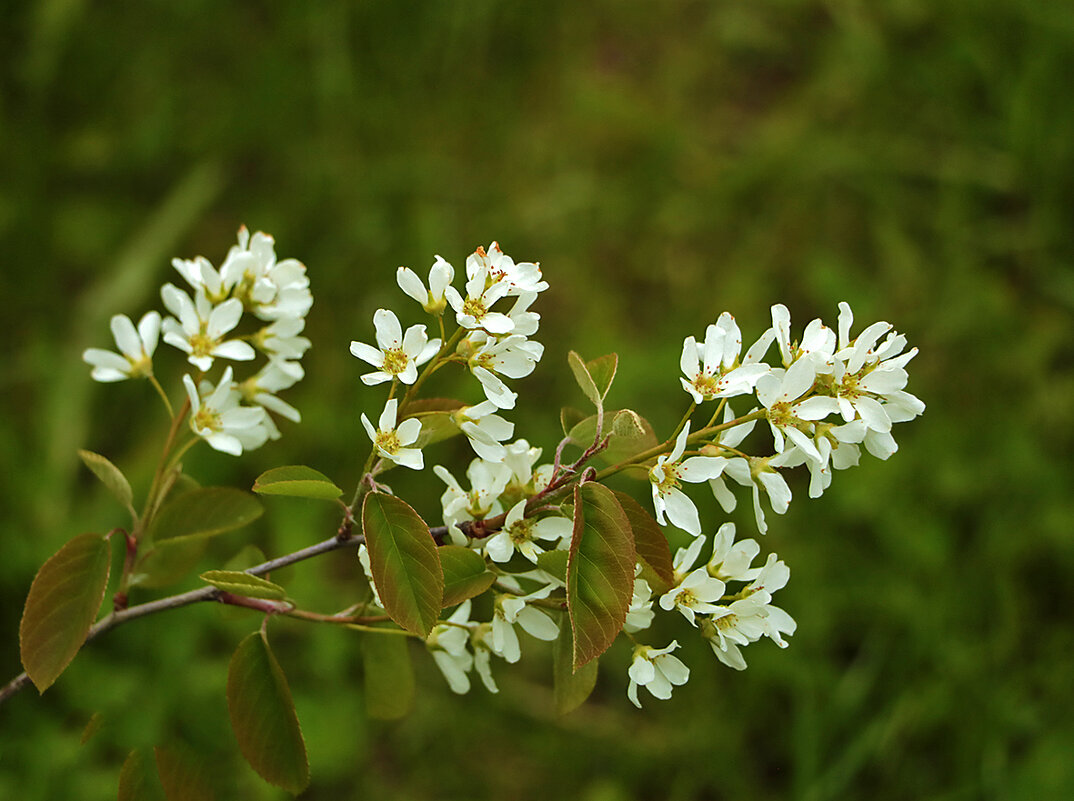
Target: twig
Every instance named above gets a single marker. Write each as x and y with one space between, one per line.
121 616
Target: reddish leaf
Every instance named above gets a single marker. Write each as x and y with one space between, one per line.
263 716
651 545
405 565
62 604
600 571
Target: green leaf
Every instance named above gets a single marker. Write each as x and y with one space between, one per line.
570 687
205 512
627 424
111 476
239 583
602 371
650 544
569 417
389 676
405 566
263 716
435 427
554 563
584 379
584 432
61 606
600 571
465 574
183 775
296 481
634 435
137 779
168 562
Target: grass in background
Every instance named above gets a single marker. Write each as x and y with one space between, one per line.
664 162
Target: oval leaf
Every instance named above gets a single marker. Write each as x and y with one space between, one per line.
465 574
296 481
110 475
168 562
183 775
388 676
137 779
602 371
402 555
651 545
600 571
63 601
584 379
263 716
569 686
205 512
239 583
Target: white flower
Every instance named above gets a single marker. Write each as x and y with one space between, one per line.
519 278
756 473
666 475
220 421
731 560
476 310
136 346
447 644
399 355
390 441
512 609
200 329
526 322
786 413
270 379
744 621
521 458
640 614
270 289
710 367
818 340
485 430
441 274
656 670
519 533
281 340
694 595
487 482
513 356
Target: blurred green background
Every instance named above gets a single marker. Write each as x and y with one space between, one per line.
664 161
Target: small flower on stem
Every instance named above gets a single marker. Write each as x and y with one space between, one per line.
136 345
390 441
397 355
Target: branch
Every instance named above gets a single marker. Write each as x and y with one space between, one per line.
121 616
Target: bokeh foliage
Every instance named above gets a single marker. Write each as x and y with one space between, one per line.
664 161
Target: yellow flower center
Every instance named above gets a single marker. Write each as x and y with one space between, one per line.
395 361
387 441
475 307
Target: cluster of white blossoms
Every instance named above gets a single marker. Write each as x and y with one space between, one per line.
253 304
823 397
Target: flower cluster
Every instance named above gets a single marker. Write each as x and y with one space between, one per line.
823 397
253 304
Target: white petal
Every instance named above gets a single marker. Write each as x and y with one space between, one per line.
368 354
389 332
410 283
